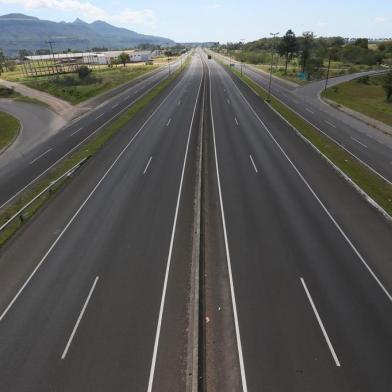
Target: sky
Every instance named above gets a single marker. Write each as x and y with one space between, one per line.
223 21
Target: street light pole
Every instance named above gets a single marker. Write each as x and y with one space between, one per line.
329 67
270 78
242 40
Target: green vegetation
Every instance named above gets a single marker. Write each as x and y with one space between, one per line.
373 185
365 95
9 129
76 89
90 148
10 93
307 58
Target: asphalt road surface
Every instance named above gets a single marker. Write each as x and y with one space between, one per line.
309 260
19 172
366 143
89 287
296 266
38 123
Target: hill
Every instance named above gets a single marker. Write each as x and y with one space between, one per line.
18 31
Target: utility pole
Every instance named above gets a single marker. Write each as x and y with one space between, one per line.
329 67
51 49
272 61
242 40
168 62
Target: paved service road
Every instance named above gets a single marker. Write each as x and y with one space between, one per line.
363 141
38 123
18 173
95 291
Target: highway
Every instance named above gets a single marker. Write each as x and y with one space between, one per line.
307 260
296 272
17 173
367 144
95 290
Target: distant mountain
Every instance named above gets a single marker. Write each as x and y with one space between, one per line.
18 31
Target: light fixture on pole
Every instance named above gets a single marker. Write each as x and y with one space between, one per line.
242 40
272 60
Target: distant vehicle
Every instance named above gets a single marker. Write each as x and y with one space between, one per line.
231 65
209 57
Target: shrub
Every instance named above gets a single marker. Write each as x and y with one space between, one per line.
363 79
83 71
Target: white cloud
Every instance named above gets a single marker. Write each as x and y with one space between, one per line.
142 17
380 19
90 11
322 24
212 6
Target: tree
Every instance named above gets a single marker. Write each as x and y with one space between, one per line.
3 65
124 58
362 43
83 71
387 85
23 53
306 45
287 47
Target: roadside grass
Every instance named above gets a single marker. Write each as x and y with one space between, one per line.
74 90
9 129
378 189
368 99
90 148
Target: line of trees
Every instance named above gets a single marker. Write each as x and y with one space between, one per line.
311 51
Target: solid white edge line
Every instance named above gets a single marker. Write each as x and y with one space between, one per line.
320 322
9 306
233 301
344 235
253 163
168 262
356 140
148 164
40 156
79 318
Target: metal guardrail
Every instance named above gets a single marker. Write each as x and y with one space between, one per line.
19 213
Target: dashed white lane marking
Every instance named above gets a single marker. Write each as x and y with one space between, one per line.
79 318
78 130
330 124
331 349
148 164
253 163
40 156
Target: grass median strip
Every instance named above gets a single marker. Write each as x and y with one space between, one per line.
372 184
87 150
9 129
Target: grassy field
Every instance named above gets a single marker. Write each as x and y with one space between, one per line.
368 99
74 90
373 185
9 128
